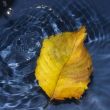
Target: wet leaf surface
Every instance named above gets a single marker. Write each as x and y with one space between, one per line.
64 66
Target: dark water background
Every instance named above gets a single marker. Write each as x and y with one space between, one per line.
21 35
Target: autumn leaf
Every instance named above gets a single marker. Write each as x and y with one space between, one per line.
64 66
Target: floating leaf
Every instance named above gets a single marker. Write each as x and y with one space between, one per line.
64 65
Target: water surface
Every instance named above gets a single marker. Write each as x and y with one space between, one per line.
20 44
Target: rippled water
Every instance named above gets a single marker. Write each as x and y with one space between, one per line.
20 43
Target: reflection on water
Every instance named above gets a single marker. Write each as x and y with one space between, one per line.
20 45
5 7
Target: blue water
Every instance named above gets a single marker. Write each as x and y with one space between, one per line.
20 43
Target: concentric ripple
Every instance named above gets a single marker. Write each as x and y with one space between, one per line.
20 44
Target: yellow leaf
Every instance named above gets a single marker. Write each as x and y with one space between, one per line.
64 66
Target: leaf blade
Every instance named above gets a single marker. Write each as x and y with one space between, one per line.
62 52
